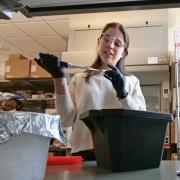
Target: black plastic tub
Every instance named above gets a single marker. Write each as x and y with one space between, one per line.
126 140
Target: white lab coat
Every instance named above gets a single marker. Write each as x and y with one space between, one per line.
97 94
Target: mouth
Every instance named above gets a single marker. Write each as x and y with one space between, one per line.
108 53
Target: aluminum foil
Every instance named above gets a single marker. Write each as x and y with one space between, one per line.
30 122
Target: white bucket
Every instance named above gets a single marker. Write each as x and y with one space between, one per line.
24 157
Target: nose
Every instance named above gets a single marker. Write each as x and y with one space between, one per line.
111 43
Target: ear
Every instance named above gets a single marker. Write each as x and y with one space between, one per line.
98 41
123 54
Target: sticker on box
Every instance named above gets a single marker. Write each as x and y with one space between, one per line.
33 68
7 69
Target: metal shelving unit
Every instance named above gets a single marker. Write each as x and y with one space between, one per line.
27 84
32 85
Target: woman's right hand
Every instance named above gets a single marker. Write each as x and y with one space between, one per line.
51 64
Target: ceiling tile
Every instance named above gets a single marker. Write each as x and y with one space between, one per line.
6 49
2 21
52 43
60 26
59 54
36 28
26 44
6 46
10 30
55 17
19 18
3 57
36 54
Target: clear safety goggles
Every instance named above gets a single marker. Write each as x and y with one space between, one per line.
106 38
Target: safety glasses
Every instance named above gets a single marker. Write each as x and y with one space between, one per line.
106 38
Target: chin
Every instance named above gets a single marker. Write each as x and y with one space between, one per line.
107 61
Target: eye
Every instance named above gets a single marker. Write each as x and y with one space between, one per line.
106 38
118 43
109 39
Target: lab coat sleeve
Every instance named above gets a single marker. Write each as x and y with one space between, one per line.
66 106
135 100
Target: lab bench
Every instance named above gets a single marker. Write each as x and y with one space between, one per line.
90 171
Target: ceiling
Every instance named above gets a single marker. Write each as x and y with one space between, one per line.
29 36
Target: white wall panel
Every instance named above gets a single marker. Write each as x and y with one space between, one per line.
148 36
36 28
26 44
147 41
10 30
60 26
52 43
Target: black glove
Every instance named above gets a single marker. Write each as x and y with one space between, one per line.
51 64
118 81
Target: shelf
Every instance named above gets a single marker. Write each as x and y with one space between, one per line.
46 99
27 84
38 100
31 87
147 68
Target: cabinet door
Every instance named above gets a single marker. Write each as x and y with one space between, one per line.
86 39
150 41
152 97
145 41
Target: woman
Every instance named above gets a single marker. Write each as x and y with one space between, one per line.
110 89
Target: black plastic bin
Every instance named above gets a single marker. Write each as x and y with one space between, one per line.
126 140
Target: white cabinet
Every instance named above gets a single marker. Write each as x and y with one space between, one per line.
86 39
145 41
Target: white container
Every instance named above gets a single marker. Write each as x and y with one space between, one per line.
24 157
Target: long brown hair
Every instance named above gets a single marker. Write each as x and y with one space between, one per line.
121 63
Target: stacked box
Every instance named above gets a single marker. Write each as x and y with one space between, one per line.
2 70
17 66
37 71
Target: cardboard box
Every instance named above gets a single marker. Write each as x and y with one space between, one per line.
17 68
7 70
38 72
2 70
173 132
16 57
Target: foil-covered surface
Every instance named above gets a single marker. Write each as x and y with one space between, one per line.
30 122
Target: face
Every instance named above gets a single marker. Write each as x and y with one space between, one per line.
111 46
9 105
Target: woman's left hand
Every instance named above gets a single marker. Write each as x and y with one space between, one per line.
118 81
